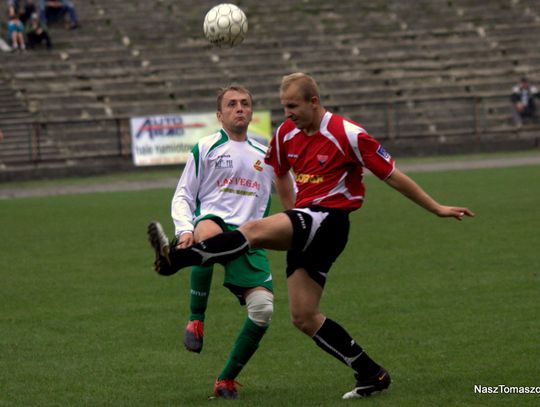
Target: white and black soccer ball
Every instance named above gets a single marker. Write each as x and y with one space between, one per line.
225 25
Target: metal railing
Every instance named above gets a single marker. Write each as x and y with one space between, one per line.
470 116
423 117
76 139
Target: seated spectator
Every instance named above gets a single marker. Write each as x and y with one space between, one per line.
36 33
53 9
523 102
15 29
23 8
13 7
26 10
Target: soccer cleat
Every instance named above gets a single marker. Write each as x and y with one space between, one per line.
160 243
226 389
193 336
365 387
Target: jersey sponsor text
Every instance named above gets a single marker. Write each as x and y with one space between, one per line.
308 178
239 181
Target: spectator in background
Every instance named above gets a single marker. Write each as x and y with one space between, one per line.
58 8
36 33
13 7
15 30
523 102
26 10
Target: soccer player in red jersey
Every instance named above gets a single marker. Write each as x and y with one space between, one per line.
327 154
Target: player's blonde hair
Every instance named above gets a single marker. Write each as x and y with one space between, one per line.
306 85
236 88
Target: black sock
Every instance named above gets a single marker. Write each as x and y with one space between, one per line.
333 338
218 249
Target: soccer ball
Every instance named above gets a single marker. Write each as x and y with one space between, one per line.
225 25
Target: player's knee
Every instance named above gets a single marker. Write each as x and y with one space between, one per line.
251 231
255 233
299 322
305 322
260 306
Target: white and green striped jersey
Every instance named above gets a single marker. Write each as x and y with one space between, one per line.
225 178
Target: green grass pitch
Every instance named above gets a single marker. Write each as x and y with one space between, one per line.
444 305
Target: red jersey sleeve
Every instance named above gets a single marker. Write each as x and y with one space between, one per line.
374 156
276 157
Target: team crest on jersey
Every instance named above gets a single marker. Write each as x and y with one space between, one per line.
258 165
322 158
382 152
223 162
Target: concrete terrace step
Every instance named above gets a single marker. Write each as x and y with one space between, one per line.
140 57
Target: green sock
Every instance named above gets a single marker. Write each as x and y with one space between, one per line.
244 347
201 279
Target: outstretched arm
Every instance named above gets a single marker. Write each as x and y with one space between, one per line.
406 186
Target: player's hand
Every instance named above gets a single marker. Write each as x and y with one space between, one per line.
185 240
454 212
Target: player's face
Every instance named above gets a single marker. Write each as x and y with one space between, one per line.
299 110
236 112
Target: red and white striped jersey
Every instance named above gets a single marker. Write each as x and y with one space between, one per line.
328 165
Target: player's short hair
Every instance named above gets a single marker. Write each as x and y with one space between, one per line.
306 84
236 88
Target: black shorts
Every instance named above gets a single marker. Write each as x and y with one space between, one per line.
319 236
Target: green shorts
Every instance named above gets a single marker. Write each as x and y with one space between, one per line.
247 271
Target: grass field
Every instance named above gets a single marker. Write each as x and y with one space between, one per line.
444 305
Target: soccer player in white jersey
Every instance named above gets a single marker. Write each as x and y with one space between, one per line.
327 154
226 183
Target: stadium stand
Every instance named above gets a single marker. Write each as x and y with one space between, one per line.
433 76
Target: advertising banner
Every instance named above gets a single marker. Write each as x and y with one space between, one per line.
168 139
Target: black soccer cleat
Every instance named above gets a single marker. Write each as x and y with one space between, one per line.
160 243
365 387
